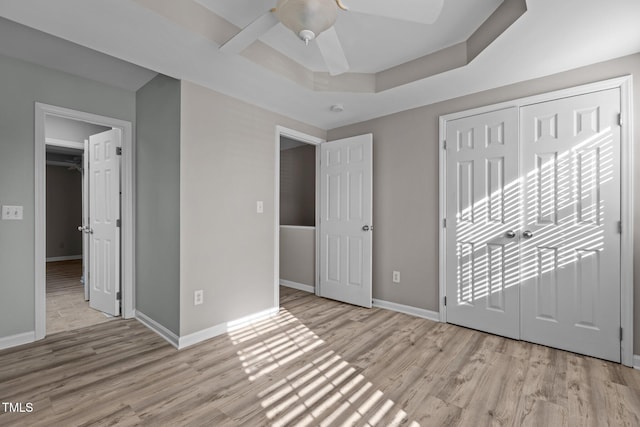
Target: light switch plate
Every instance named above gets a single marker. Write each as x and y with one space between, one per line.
12 212
259 206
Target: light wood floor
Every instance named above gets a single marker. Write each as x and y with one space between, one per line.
318 362
66 307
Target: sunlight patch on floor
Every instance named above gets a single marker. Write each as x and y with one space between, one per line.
326 390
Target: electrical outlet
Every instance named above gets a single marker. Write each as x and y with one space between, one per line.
396 276
198 297
12 212
259 206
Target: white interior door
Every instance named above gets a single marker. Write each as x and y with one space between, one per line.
482 222
85 220
571 242
104 212
346 186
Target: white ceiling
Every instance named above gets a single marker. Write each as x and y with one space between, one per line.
371 43
32 45
552 36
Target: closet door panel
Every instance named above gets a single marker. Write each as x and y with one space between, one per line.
482 207
570 261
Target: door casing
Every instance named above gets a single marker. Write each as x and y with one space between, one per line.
127 267
625 84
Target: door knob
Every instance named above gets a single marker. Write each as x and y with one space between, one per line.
527 234
366 228
80 228
510 234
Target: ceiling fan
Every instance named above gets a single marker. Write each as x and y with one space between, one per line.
314 20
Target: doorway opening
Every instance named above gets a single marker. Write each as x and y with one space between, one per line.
83 220
296 214
343 226
67 291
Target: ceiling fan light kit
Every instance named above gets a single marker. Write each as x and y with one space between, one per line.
307 18
315 19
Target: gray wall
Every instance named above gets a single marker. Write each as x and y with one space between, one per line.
405 183
298 255
64 211
22 85
298 186
227 159
158 201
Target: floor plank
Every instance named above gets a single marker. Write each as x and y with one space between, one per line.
318 363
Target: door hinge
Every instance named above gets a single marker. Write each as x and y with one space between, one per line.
445 301
619 227
444 223
444 145
621 333
118 223
118 297
620 119
118 151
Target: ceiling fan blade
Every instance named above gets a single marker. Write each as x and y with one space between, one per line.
420 11
332 52
250 33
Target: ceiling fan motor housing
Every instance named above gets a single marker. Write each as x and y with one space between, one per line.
307 18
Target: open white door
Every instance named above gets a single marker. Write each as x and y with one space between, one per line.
85 220
104 213
346 194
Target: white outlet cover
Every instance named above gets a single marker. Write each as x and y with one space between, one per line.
396 277
198 297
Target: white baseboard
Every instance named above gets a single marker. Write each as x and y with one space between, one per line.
214 331
64 258
636 361
298 286
407 309
156 327
18 339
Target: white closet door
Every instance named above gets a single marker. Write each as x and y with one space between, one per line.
570 253
483 216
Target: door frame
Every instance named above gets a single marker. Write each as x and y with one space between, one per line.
127 174
625 84
311 140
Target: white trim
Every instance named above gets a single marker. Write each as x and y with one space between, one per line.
625 84
298 286
308 139
626 216
442 214
156 327
407 309
298 227
636 361
63 258
64 143
223 328
16 340
127 216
